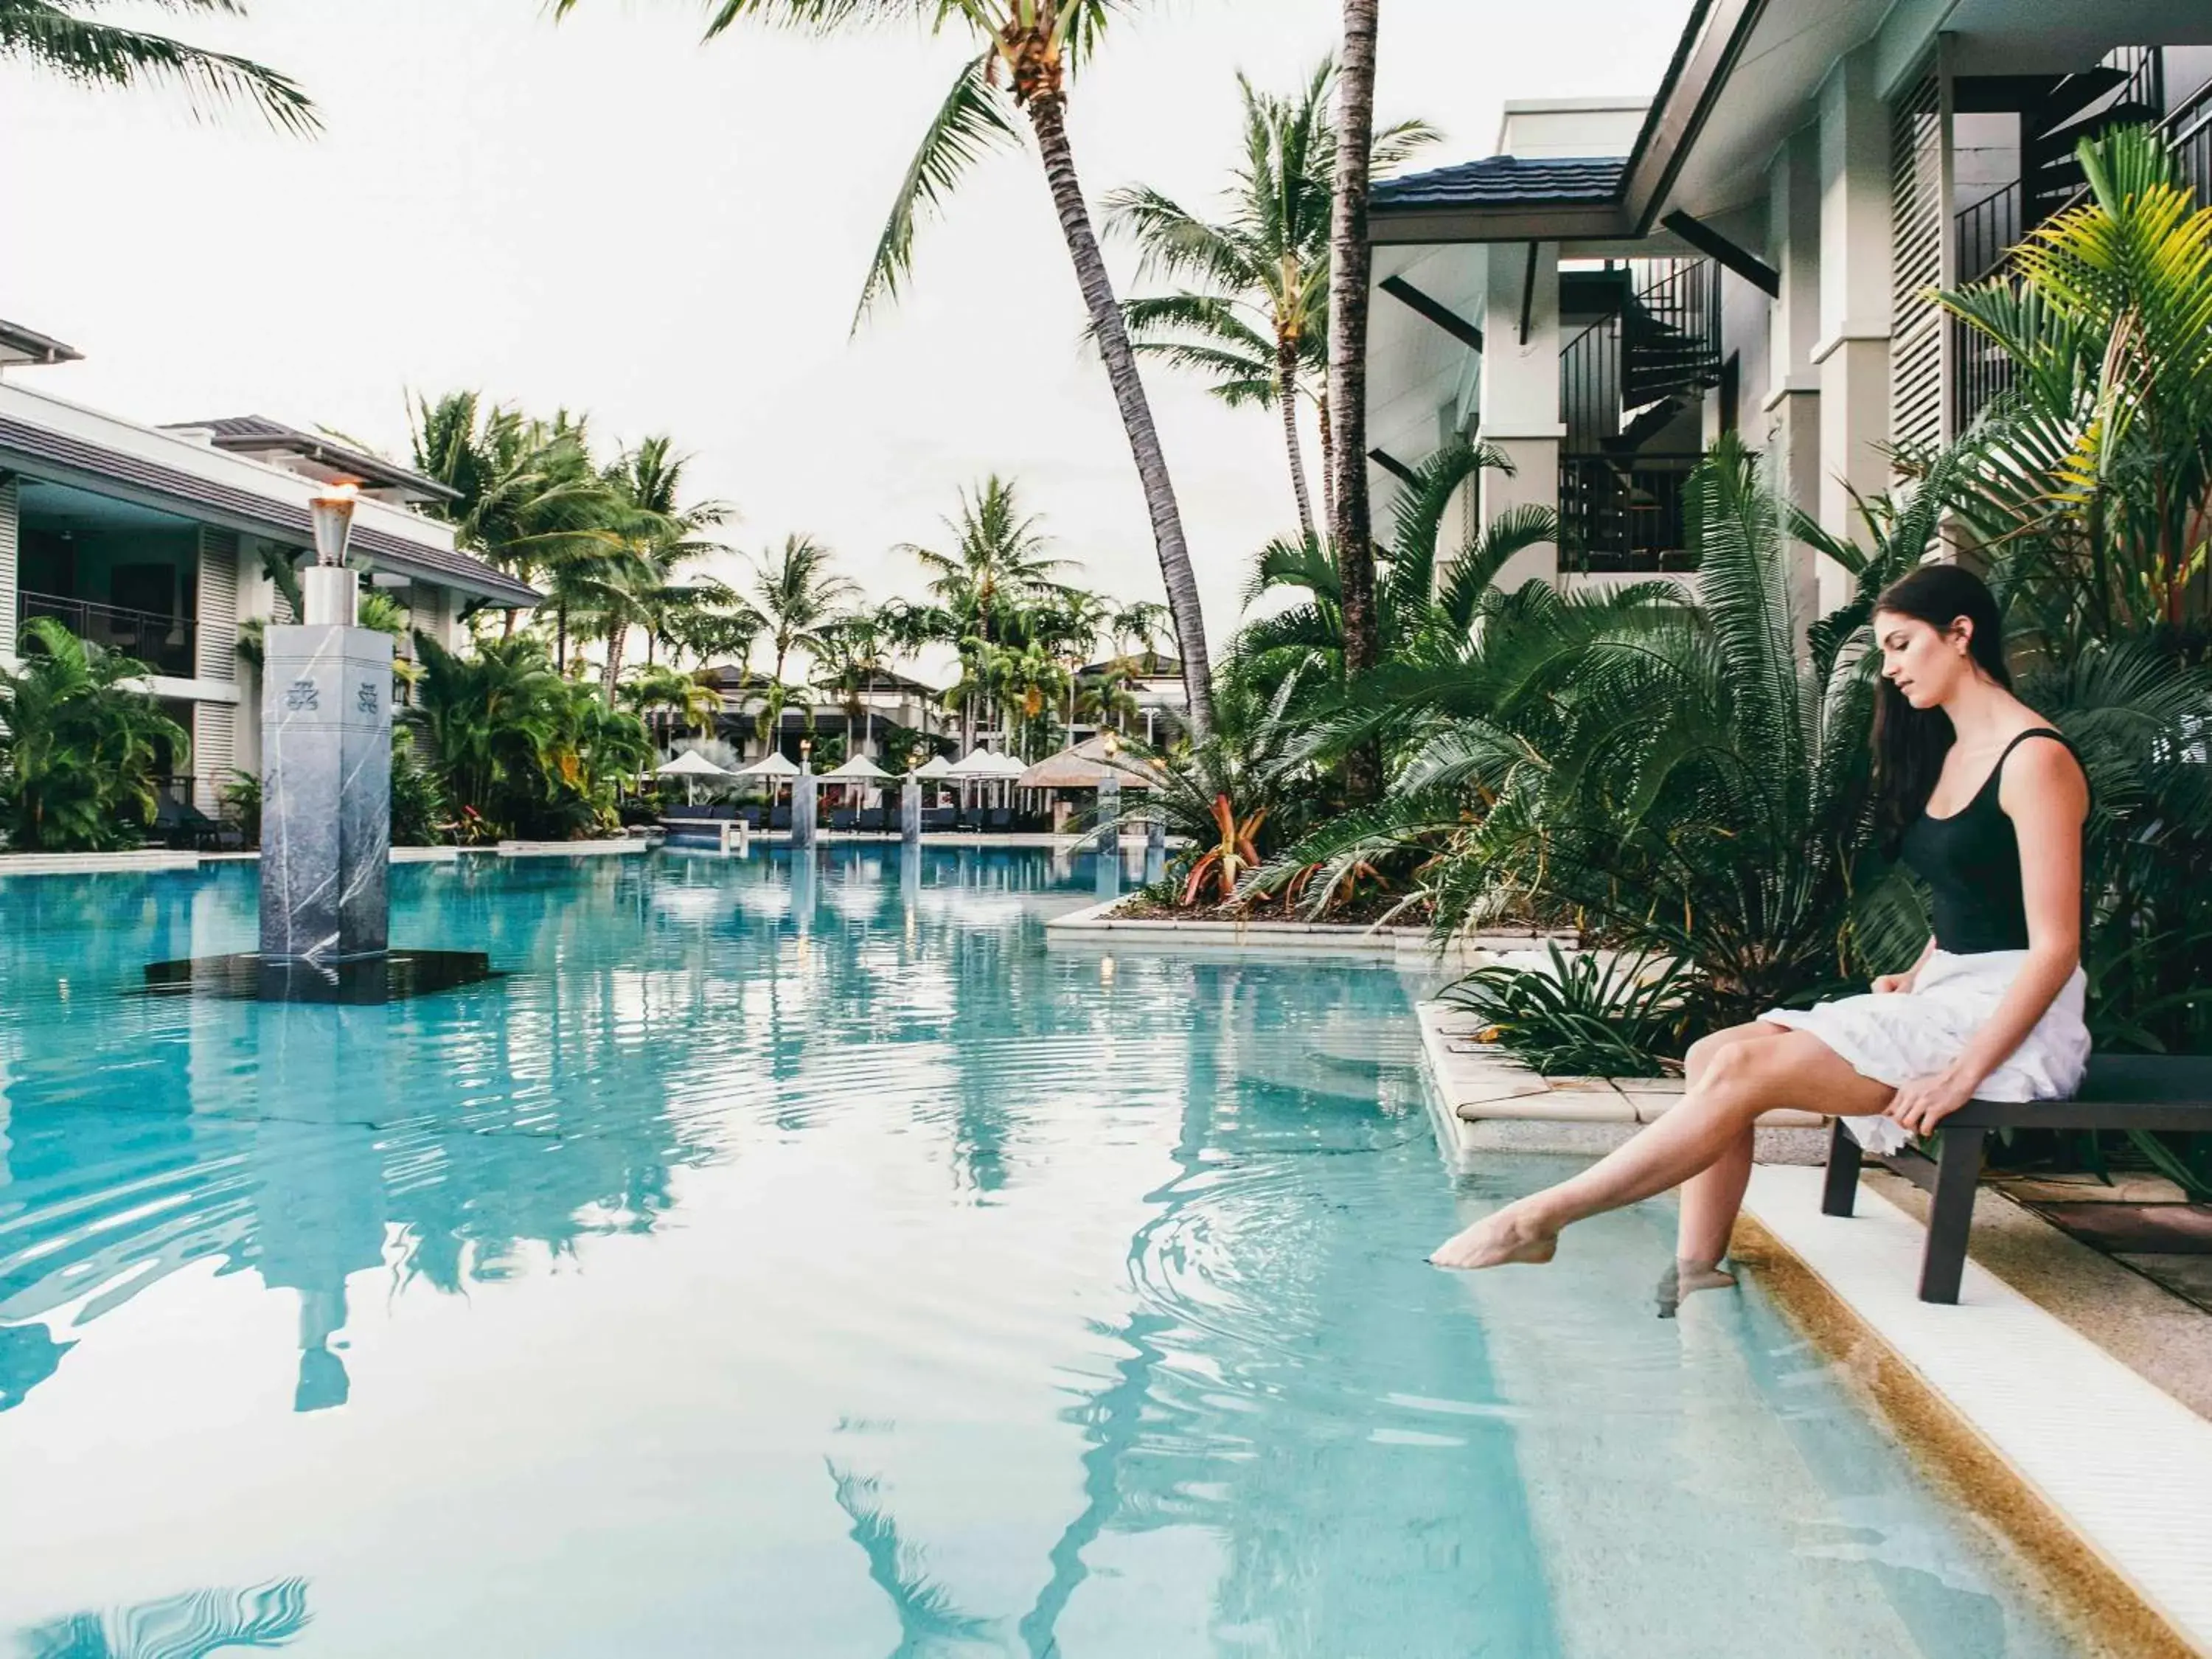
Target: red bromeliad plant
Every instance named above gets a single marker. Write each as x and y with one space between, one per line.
1233 857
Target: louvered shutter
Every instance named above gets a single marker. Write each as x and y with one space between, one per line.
8 557
215 650
1918 221
215 750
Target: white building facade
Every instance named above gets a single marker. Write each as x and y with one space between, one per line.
1749 250
163 544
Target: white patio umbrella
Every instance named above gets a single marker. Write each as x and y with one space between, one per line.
690 766
935 767
772 766
856 769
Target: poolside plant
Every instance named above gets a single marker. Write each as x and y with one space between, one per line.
1579 1016
1252 314
1024 52
80 746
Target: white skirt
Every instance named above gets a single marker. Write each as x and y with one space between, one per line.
1917 1033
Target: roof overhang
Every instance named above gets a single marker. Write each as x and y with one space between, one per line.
20 346
42 451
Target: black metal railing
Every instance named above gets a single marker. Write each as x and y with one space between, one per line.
167 645
1987 233
2190 131
1589 386
1625 513
1670 331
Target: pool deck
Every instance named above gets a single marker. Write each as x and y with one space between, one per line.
2038 1401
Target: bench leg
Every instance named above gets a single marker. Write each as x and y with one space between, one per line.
1842 1185
1951 1214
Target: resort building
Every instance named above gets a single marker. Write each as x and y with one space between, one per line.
165 542
1752 249
885 701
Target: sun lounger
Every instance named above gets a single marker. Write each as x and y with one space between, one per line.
2121 1091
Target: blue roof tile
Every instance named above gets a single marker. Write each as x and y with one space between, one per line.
1505 181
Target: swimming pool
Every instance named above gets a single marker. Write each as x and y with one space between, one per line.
800 1259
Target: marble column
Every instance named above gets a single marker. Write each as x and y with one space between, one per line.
326 793
1109 812
803 814
910 812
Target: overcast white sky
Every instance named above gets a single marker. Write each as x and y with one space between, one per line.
608 215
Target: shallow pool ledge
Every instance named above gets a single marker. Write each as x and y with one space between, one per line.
2102 1476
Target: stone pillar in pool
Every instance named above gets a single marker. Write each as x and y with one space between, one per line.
1110 811
325 769
802 805
910 810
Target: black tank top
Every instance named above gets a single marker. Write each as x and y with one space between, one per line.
1971 862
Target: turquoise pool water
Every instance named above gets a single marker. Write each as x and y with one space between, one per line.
797 1260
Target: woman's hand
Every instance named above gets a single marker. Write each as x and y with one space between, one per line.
1891 984
1925 1102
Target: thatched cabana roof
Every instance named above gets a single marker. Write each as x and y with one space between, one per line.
1084 767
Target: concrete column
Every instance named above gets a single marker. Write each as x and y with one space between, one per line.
1520 396
1109 812
1851 354
910 812
326 793
803 814
1791 405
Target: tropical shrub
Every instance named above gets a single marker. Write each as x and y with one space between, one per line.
1575 1016
517 750
79 748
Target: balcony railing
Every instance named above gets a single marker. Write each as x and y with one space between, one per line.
1624 513
167 645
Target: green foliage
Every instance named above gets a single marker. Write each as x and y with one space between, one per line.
419 808
79 748
242 798
512 743
1582 1019
56 37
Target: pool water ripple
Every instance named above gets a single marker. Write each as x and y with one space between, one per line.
798 1258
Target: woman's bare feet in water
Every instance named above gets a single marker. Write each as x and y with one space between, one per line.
1686 1276
1507 1234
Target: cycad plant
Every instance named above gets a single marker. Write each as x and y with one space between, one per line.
1667 770
79 748
1253 314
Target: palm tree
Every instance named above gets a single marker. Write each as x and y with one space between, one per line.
849 653
658 534
996 564
797 595
1258 322
1025 50
712 621
54 35
1351 265
1417 617
529 499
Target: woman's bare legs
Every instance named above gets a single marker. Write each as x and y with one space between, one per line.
1711 1197
1742 1079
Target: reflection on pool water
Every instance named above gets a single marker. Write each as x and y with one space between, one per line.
796 1259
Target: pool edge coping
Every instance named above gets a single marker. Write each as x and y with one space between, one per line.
2098 1593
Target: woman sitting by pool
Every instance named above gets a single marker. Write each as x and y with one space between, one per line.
1986 803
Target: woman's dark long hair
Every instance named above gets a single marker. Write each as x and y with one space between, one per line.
1909 742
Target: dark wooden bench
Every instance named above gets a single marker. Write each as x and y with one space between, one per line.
2121 1091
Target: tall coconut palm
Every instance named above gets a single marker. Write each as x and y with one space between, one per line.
1025 52
56 37
797 595
660 532
995 565
849 653
1257 323
1350 267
